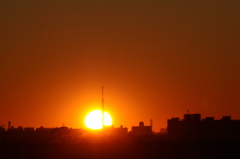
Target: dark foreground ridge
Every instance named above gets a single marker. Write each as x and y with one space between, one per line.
138 150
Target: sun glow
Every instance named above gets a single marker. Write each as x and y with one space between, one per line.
94 119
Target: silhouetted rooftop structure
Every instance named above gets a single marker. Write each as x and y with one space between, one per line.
29 129
120 131
193 127
43 129
19 129
2 129
141 130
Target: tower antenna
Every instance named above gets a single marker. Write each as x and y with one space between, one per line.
102 107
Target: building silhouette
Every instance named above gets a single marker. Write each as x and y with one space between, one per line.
120 131
141 130
194 128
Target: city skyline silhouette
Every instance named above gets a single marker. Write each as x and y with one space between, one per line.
175 125
170 71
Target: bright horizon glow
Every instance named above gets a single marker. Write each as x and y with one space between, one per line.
94 119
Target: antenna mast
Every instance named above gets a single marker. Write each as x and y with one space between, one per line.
102 107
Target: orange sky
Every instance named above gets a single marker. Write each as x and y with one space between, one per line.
155 58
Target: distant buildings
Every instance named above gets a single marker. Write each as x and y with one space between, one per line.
2 129
120 131
194 128
43 129
116 131
141 130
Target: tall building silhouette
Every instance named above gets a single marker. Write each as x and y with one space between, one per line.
194 128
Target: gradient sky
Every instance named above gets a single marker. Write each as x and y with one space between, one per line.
155 58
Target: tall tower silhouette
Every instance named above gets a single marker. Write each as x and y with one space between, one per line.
102 107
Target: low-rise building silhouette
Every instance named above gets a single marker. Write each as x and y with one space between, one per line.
119 131
29 129
141 130
13 129
43 129
2 129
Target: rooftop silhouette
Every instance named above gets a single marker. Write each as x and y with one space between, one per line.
215 138
191 127
194 128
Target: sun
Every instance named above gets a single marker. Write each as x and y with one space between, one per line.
94 119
